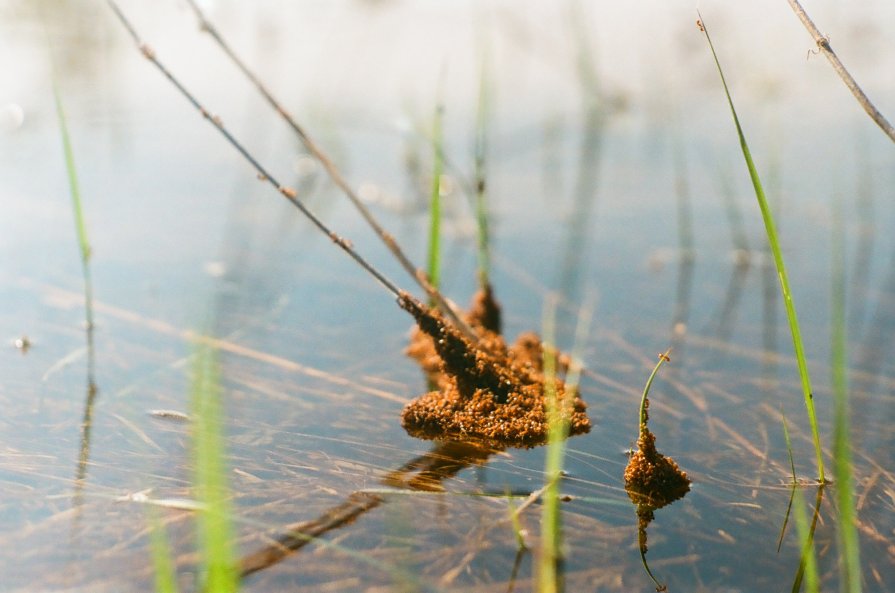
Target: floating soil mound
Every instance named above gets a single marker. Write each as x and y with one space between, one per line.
492 393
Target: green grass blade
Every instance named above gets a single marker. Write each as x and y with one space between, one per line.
663 358
768 219
434 270
549 580
516 522
551 527
163 566
481 207
807 571
77 209
74 188
215 531
849 550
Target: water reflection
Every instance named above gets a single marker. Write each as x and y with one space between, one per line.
807 553
645 507
589 157
425 473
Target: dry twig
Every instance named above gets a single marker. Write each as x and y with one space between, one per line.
823 45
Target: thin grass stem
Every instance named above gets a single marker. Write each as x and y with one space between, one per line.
849 545
795 484
663 358
77 207
434 269
162 564
548 576
774 243
215 530
480 173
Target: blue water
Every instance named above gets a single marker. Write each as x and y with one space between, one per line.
186 239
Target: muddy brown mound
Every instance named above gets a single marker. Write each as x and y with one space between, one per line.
495 397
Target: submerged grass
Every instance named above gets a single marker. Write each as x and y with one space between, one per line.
215 533
215 530
162 564
774 243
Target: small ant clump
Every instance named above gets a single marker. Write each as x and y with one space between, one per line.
490 393
649 474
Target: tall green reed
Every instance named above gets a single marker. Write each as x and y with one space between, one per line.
548 576
434 259
162 562
807 571
557 403
215 533
483 111
84 248
849 550
774 243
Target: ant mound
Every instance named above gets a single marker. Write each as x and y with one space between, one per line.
651 477
492 394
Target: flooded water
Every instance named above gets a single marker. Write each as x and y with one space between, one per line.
607 132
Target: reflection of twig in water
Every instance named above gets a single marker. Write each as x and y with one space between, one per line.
425 473
732 212
517 562
866 237
681 314
86 426
645 515
589 157
792 467
731 302
808 546
296 535
645 509
877 340
582 206
682 303
769 320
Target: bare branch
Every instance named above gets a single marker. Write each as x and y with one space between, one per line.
823 45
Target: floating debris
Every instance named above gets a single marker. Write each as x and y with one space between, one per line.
23 344
174 415
488 393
